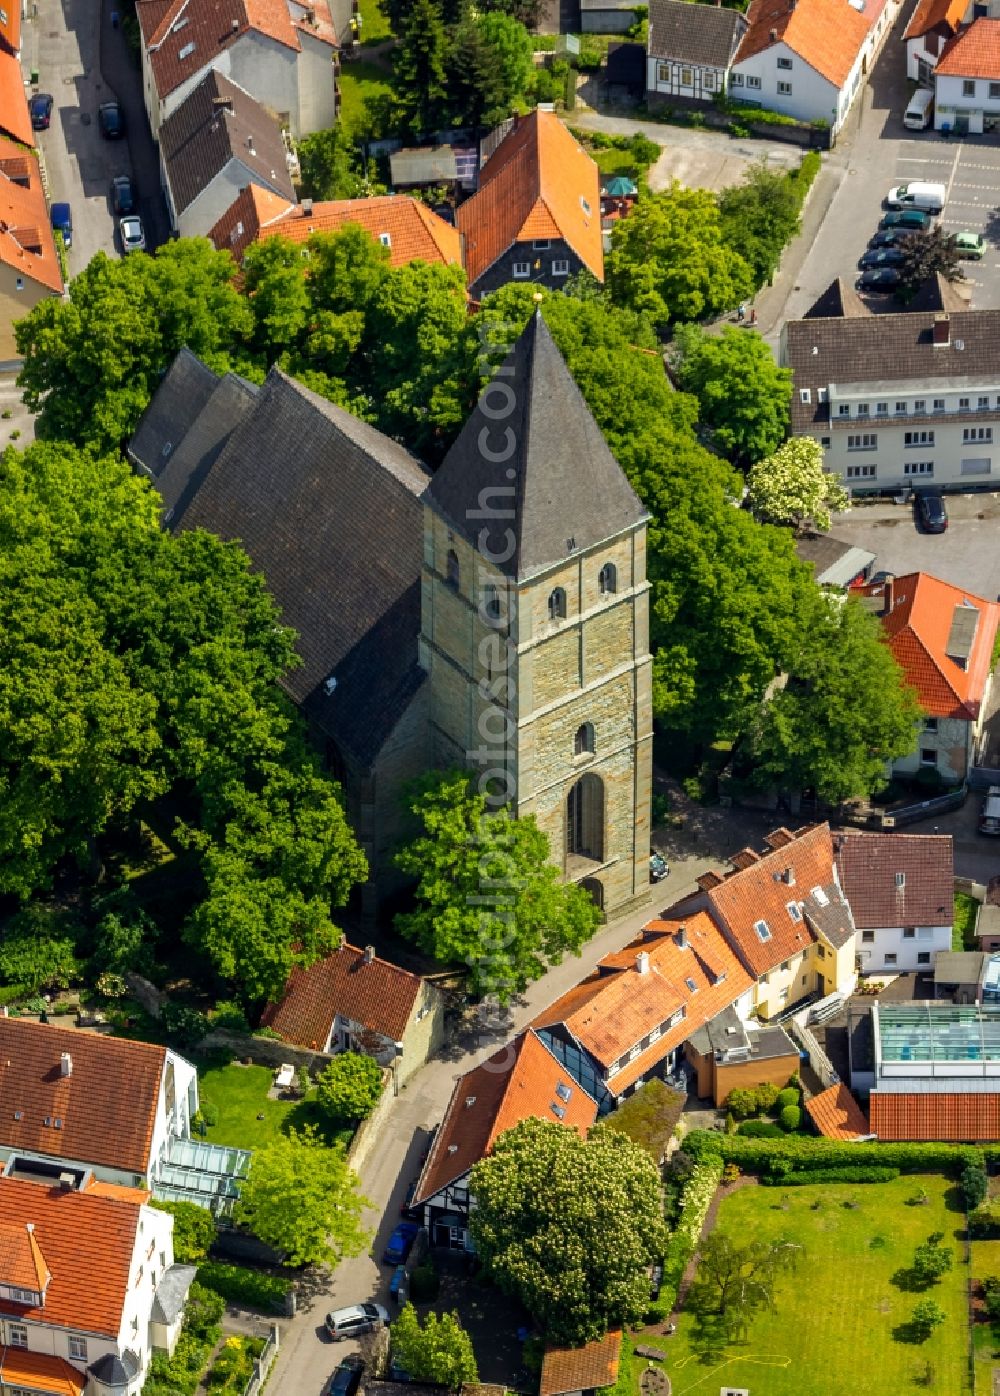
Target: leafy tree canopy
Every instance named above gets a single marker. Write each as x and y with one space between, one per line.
926 252
194 1230
743 396
760 216
737 1281
792 487
349 1088
438 1351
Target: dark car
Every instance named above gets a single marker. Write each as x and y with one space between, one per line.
889 237
882 257
879 279
62 222
111 121
122 197
41 111
346 1377
931 511
906 218
400 1243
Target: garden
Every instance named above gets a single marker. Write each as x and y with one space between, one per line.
236 1108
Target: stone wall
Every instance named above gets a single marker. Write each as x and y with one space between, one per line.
265 1051
367 1134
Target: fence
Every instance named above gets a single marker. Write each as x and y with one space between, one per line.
264 1363
818 1059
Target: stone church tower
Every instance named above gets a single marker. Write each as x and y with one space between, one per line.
535 621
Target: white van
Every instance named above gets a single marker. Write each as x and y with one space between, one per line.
929 198
918 114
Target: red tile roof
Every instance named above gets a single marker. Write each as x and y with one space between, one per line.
956 1118
826 34
10 26
763 891
918 628
21 1262
517 1083
15 119
974 52
36 1371
929 14
581 1369
415 232
870 866
87 1243
837 1115
616 1007
26 243
538 183
95 1127
378 995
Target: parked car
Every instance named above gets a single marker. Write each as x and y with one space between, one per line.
111 121
133 237
346 1377
62 222
918 193
882 257
879 279
971 245
355 1320
400 1243
931 511
40 107
404 1206
398 1284
889 237
906 218
989 817
658 867
122 197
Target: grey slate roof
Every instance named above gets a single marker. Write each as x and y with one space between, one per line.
329 511
190 458
840 299
560 493
705 35
171 1292
832 917
113 1371
834 563
182 393
219 122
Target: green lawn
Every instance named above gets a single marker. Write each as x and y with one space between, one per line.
374 25
836 1325
617 162
985 1262
358 80
239 1093
964 924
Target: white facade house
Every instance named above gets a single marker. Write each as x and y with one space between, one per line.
901 890
932 24
967 80
689 53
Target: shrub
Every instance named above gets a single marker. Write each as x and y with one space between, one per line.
349 1087
180 1375
932 1260
801 1151
694 1204
229 1015
789 1096
269 1034
790 1118
742 1102
209 1113
926 1317
569 91
645 151
194 1230
424 1283
760 1129
984 1222
972 1181
37 949
237 1284
184 1025
991 1296
815 1176
767 1095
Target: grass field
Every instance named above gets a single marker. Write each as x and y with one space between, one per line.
985 1262
360 79
840 1320
374 25
239 1093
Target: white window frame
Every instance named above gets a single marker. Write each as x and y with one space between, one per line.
17 1335
753 82
77 1347
784 89
924 468
521 271
560 266
862 472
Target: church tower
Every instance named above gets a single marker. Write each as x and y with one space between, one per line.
535 621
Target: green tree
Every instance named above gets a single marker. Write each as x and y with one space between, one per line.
38 949
743 396
349 1087
440 1351
973 1182
927 1316
527 919
475 82
845 712
791 486
275 284
760 216
302 1198
737 1281
419 65
330 166
510 57
547 1202
194 1230
924 253
669 259
932 1261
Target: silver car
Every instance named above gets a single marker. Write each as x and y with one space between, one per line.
355 1320
133 238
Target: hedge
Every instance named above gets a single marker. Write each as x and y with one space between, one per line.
806 1178
760 1129
238 1284
799 1151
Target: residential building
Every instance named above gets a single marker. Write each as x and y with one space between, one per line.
630 1019
786 917
15 119
728 1054
809 58
901 891
354 1001
967 80
10 30
962 975
690 53
837 1115
522 1081
581 1371
385 574
899 400
536 216
216 142
407 228
606 17
931 25
29 266
283 53
942 638
81 1273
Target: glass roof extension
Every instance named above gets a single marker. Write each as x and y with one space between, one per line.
208 1174
939 1032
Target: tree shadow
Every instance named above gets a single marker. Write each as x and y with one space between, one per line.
906 1278
910 1332
954 1200
709 1338
991 231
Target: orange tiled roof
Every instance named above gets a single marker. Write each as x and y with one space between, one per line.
15 119
539 183
763 890
10 26
837 1115
37 1371
87 1243
931 13
918 628
26 244
826 34
616 1007
581 1369
378 995
21 1262
973 52
956 1118
117 1191
94 1127
517 1083
415 232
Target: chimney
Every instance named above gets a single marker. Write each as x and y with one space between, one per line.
65 1065
307 208
942 331
369 955
642 962
682 938
29 1227
888 595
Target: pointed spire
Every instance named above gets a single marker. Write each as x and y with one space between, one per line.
530 480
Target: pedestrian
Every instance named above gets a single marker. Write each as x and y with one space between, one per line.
741 312
753 316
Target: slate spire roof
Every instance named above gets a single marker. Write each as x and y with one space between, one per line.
558 492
